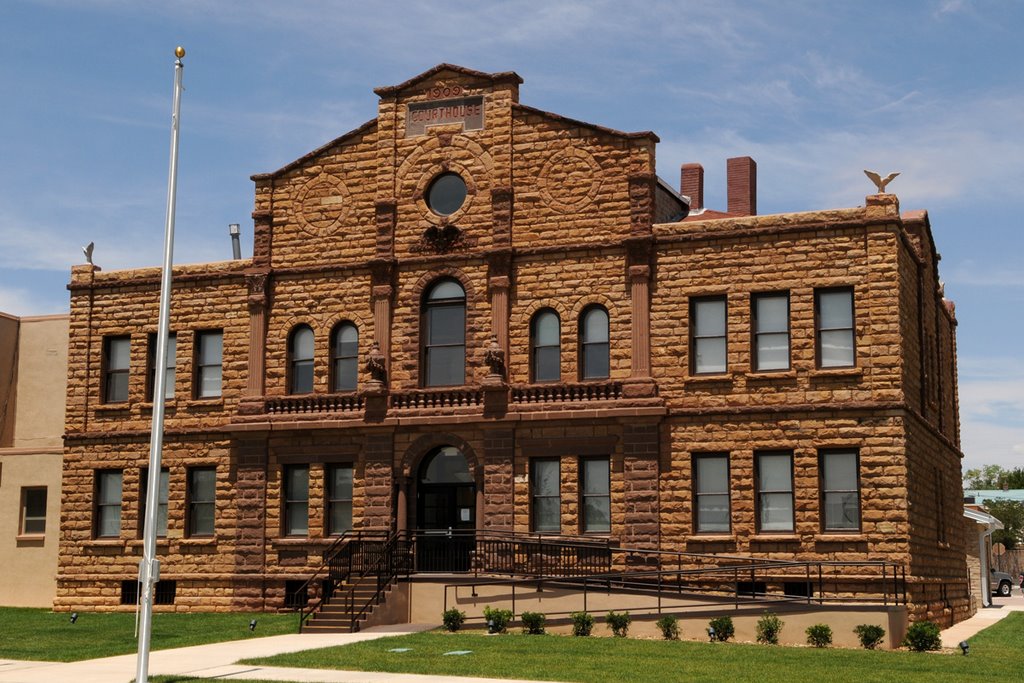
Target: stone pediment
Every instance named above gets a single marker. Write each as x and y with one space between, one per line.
448 71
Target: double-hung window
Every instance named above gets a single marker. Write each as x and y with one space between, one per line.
344 357
296 500
774 492
711 493
545 490
167 367
300 360
545 342
771 331
209 359
202 495
833 318
707 335
107 511
596 490
444 335
339 499
161 501
33 511
594 346
116 357
840 490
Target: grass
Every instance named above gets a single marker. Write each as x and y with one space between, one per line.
997 654
38 634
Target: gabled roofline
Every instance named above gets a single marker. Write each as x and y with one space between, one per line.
593 126
372 123
499 77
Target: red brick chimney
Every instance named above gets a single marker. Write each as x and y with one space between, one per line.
691 184
741 180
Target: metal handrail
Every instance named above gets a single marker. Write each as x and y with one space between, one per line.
329 556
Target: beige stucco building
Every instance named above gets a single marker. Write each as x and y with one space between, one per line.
33 377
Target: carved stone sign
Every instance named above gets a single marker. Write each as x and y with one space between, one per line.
469 111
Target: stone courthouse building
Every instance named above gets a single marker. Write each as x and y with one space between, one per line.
468 313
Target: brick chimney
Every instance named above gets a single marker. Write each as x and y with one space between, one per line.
691 184
741 179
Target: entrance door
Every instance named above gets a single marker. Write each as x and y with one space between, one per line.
446 512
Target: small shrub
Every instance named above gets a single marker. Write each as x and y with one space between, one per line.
533 622
669 627
618 622
582 623
724 630
453 619
497 619
870 635
768 628
923 635
819 635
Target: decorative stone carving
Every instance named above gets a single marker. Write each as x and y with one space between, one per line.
376 365
570 180
494 357
321 205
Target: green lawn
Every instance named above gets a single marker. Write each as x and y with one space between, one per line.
38 634
997 655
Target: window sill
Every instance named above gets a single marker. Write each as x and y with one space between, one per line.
197 542
710 538
161 542
169 404
837 372
766 375
113 408
301 541
212 403
103 543
30 538
840 537
718 378
775 538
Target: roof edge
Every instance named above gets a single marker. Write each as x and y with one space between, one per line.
593 126
316 152
498 77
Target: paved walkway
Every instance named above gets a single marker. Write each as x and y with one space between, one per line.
983 618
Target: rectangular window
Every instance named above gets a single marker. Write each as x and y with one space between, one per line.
339 499
116 359
202 497
545 489
833 318
597 502
840 490
296 500
108 504
707 335
168 367
161 510
940 502
209 358
33 511
711 491
774 492
771 331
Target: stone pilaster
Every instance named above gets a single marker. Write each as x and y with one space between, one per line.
257 282
640 448
248 478
378 454
499 451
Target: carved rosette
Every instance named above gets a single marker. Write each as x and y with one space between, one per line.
570 180
321 205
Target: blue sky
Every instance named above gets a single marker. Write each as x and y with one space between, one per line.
814 91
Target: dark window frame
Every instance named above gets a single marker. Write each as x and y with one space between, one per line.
336 357
583 495
151 366
758 492
822 491
755 334
192 503
99 508
109 373
143 491
293 362
200 367
332 499
534 496
584 371
427 306
697 493
287 501
694 337
24 517
818 329
534 345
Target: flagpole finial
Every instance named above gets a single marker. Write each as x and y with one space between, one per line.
179 52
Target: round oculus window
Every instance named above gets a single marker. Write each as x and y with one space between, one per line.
446 194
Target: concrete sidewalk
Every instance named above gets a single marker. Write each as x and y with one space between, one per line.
985 617
218 660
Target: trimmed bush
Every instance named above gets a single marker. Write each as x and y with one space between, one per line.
724 630
497 619
453 619
533 622
669 627
582 623
819 635
923 635
618 622
870 635
768 628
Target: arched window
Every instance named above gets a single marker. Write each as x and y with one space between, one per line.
546 345
344 357
300 360
443 335
594 362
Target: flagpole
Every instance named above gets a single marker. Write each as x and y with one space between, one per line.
149 566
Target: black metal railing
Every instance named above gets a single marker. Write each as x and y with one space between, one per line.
346 555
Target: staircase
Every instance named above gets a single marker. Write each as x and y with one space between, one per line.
351 606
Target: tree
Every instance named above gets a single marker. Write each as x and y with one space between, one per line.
1011 514
992 477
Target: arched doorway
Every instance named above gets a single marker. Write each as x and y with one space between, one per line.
445 511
